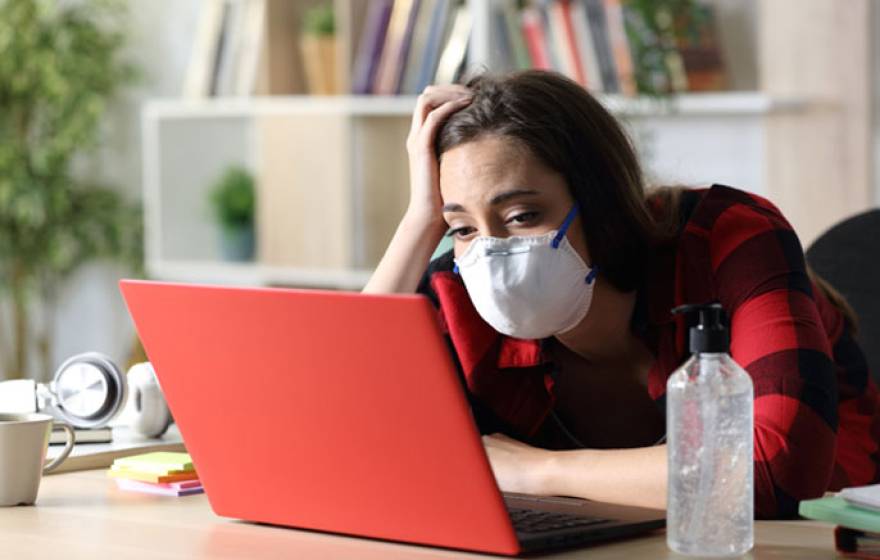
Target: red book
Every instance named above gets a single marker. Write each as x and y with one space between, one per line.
536 41
562 10
620 46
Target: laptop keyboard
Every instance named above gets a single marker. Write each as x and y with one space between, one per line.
538 521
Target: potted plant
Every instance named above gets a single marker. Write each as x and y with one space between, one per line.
233 199
656 31
318 49
62 64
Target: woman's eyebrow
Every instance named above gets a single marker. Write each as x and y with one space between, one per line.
497 199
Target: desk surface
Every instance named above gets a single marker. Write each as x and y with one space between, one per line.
83 515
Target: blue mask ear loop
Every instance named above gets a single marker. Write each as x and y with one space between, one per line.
594 271
564 227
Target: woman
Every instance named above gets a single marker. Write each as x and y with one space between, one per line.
565 352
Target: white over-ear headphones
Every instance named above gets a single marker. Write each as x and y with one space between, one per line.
88 391
147 411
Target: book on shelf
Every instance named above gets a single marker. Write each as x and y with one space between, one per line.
251 48
620 48
442 21
370 47
567 42
454 54
533 31
394 51
586 45
550 37
598 25
202 59
226 49
511 36
420 30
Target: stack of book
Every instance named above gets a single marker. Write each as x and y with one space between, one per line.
164 473
407 44
226 49
856 512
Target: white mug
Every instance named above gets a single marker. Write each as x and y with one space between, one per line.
24 440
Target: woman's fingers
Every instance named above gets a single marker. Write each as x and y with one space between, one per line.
434 106
425 136
431 98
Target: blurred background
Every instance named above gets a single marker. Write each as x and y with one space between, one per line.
261 142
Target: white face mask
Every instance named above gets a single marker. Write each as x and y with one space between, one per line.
528 287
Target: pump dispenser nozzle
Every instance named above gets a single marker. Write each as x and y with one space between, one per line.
709 334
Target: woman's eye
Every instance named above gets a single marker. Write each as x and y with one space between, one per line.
461 232
524 218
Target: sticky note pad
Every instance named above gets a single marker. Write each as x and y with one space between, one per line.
116 467
159 461
181 485
148 488
131 474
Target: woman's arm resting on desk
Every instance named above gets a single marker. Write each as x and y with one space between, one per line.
623 476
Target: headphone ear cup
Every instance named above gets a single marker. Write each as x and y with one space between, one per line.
148 412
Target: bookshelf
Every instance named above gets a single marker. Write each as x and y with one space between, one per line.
183 249
332 170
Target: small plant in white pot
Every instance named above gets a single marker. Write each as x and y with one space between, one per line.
233 200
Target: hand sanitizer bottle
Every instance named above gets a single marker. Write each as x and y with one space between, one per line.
709 423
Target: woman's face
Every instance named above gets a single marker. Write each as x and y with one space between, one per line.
495 186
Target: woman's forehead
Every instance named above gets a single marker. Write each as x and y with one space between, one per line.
476 172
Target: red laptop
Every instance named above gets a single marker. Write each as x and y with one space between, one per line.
342 412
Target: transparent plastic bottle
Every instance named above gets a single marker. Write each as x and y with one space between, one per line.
709 423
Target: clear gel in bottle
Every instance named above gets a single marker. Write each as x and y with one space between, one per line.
709 423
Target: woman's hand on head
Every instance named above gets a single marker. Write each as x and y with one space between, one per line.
422 226
433 107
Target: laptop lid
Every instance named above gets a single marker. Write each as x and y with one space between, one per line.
322 410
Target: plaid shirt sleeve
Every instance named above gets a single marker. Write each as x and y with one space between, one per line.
777 335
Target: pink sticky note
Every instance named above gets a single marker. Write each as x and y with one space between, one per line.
184 484
146 487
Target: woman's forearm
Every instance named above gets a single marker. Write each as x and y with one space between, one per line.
407 256
622 476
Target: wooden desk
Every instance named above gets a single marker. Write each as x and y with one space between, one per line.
83 515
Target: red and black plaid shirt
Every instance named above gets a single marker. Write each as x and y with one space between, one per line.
817 411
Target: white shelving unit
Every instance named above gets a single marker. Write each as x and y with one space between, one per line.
204 135
745 103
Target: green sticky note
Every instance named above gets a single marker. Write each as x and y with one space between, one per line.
158 461
836 510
